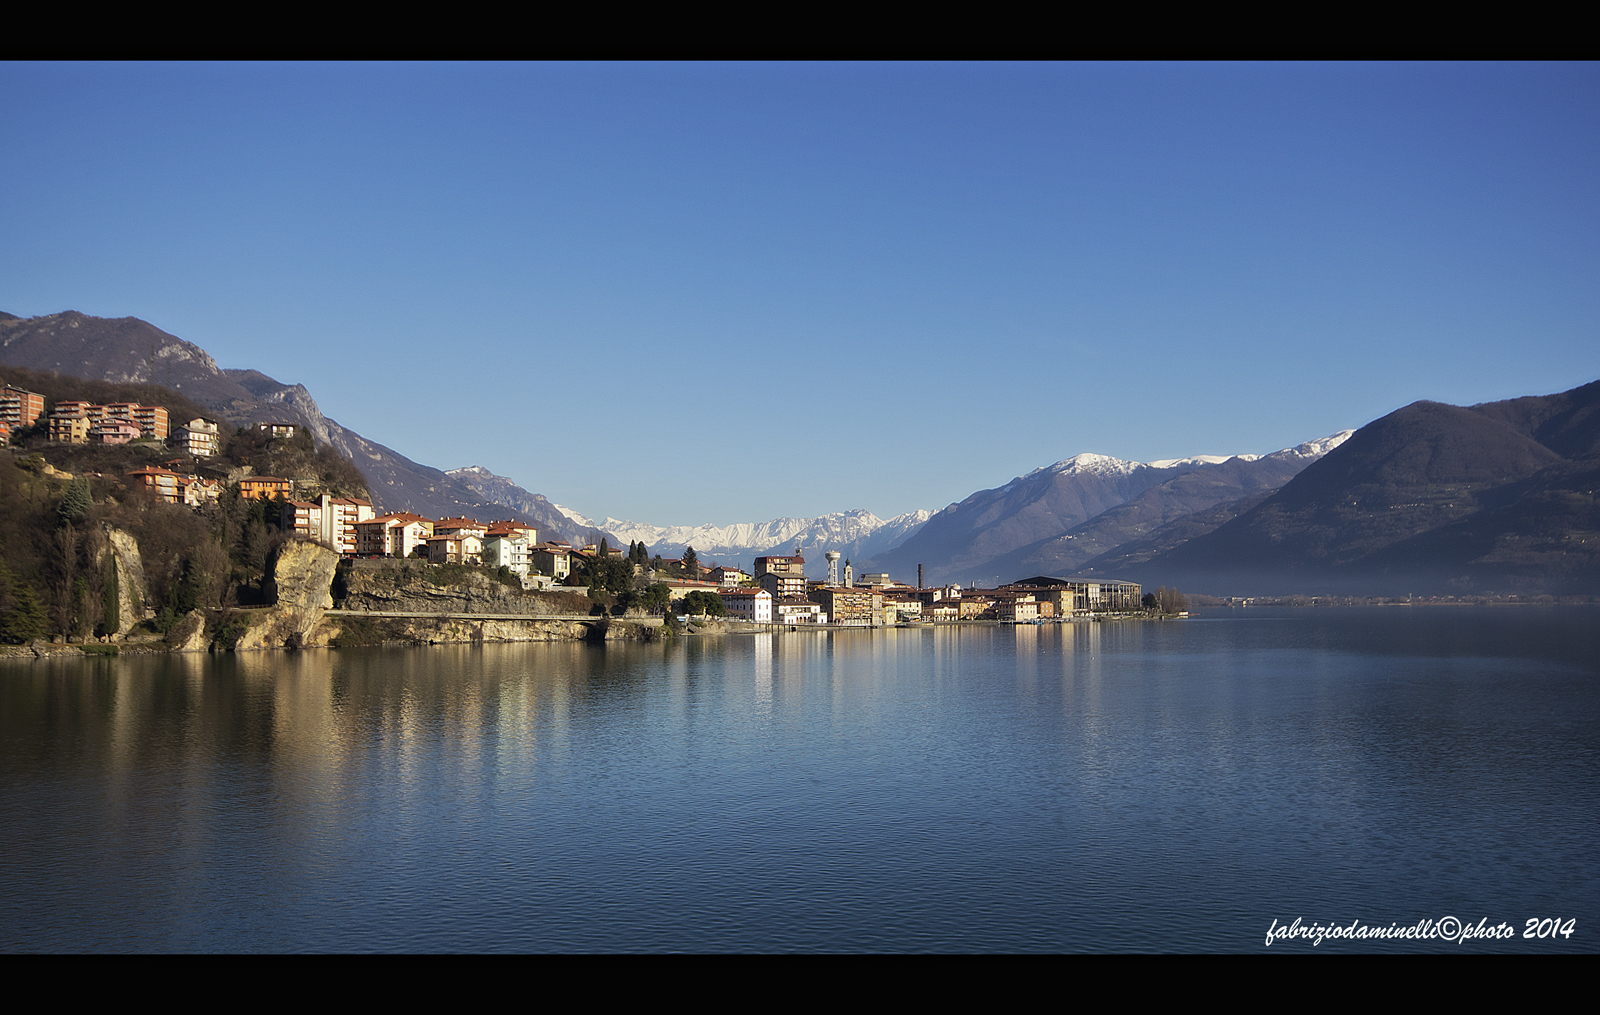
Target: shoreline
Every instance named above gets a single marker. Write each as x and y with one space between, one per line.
427 630
486 629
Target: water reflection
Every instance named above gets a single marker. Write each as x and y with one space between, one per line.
1079 786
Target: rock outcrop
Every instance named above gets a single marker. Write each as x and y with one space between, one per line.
189 634
133 594
300 590
421 589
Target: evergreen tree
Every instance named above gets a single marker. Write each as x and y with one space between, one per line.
112 604
605 550
77 502
23 615
691 563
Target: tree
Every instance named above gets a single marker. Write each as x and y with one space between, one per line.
707 603
657 597
111 607
605 549
609 574
691 563
23 616
77 502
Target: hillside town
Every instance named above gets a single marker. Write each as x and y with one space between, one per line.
776 593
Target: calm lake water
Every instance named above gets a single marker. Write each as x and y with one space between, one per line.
1123 786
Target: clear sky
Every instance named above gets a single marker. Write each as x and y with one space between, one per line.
715 293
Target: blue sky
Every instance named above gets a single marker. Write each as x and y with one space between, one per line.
716 293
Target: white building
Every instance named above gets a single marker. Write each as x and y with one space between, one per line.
199 437
797 610
748 604
511 551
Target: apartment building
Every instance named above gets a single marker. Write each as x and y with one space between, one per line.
114 431
1016 609
729 576
508 527
460 527
150 419
781 584
70 429
393 535
509 550
199 437
20 407
329 520
795 610
164 483
901 609
455 548
850 606
754 605
265 488
553 558
780 565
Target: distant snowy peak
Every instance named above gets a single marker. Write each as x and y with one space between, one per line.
580 519
1097 465
1105 465
1173 463
1316 449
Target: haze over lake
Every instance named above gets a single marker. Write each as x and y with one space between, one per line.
1090 786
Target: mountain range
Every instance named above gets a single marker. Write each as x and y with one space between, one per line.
1431 498
1055 519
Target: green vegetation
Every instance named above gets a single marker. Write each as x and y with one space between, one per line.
612 575
111 605
708 604
57 575
295 458
228 632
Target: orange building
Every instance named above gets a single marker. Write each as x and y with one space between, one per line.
265 487
20 407
164 483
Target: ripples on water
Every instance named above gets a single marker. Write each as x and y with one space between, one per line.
1139 786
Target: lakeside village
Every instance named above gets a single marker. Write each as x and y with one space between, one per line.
777 593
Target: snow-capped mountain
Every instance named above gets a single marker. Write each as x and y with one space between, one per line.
1105 465
856 534
995 532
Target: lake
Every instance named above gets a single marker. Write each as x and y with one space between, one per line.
1146 786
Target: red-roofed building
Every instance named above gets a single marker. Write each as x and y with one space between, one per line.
460 527
748 604
393 535
164 483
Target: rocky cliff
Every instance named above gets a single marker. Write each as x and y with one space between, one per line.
133 596
425 589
